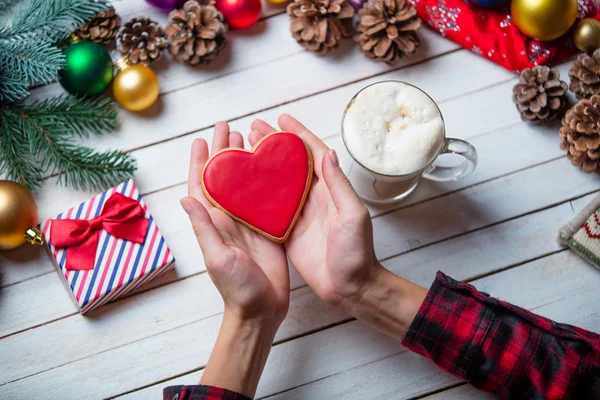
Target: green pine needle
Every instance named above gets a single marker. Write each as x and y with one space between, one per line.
25 64
5 5
11 88
15 156
83 167
74 116
52 19
42 136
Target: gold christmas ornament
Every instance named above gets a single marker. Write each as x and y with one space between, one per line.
278 2
18 216
135 87
586 35
544 19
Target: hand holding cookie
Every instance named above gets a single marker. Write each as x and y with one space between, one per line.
250 271
331 245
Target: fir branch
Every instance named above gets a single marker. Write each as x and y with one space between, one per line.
46 131
77 166
11 88
25 63
5 5
54 19
83 167
16 161
74 116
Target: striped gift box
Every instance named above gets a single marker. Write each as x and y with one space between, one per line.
120 266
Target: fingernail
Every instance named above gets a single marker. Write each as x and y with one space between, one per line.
185 205
334 158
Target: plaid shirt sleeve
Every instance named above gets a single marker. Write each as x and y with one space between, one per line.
500 348
200 392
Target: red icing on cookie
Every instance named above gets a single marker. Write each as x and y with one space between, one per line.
264 188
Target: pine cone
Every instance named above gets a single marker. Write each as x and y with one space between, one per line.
540 95
387 29
585 75
196 33
580 134
100 29
141 41
320 25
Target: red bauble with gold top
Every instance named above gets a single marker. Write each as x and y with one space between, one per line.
240 14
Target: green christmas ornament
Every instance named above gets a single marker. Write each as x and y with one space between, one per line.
88 69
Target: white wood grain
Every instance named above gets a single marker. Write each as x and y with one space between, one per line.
470 228
267 40
250 90
413 226
401 374
166 164
307 312
499 153
460 393
154 175
538 286
481 205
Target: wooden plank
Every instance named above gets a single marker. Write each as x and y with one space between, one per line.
330 105
460 393
418 230
161 166
478 206
409 375
135 318
265 38
245 91
499 152
154 175
537 286
163 307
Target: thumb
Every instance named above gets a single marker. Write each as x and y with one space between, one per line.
340 189
207 234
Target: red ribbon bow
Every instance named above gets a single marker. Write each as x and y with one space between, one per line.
121 216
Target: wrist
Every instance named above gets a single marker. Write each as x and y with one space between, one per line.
256 330
387 303
239 355
354 293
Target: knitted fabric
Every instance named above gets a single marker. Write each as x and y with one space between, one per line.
582 233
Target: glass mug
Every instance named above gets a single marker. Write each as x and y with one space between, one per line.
380 188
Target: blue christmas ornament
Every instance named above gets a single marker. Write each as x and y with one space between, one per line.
489 4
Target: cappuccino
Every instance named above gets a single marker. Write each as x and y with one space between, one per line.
393 128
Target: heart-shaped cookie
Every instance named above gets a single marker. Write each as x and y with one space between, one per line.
263 188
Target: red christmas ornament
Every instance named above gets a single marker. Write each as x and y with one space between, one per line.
240 14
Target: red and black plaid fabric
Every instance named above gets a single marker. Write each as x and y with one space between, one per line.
501 348
200 392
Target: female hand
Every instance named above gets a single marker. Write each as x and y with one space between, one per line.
250 272
331 245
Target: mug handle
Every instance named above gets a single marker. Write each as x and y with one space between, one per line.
454 146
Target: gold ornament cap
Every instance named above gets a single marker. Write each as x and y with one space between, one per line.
18 212
34 236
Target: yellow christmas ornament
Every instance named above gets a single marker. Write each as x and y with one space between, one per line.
586 35
135 87
544 19
18 216
278 2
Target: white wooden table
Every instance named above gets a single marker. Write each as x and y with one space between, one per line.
496 229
